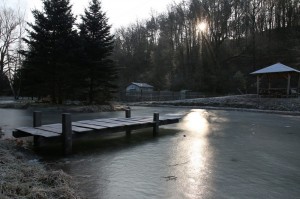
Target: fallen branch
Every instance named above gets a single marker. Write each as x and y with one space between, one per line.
168 178
174 165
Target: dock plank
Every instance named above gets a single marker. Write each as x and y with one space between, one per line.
39 132
125 121
120 121
78 124
57 128
96 125
130 121
104 124
78 129
114 118
52 129
110 121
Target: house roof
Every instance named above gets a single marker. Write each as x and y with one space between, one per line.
142 85
276 68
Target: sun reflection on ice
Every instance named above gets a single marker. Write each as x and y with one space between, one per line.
195 122
197 127
196 154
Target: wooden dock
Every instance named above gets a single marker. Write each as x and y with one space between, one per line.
67 130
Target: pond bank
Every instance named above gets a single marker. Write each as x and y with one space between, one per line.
23 176
290 106
112 106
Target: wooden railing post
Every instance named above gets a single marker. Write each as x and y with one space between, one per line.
37 121
128 115
156 124
67 133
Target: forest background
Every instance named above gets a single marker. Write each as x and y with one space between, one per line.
209 46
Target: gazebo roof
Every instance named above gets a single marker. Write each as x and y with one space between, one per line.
142 85
276 68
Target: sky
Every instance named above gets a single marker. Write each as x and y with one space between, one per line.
119 12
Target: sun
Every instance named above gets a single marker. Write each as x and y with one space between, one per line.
202 26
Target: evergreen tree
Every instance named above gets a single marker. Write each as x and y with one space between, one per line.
97 44
49 64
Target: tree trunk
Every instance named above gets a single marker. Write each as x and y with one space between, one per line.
91 91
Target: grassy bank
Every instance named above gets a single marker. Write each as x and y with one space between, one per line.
22 176
112 106
238 101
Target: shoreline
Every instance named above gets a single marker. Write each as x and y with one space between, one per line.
295 113
24 176
245 103
249 103
112 106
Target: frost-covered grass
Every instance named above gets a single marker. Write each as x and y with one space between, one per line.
77 108
21 177
238 101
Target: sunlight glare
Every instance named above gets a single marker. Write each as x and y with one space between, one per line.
197 126
202 26
196 122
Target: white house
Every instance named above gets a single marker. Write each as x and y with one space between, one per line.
139 87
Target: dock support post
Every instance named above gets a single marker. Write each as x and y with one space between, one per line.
156 124
128 115
37 121
67 133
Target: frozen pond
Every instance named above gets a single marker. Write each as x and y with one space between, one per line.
209 154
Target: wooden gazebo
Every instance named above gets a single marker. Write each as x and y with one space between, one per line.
277 71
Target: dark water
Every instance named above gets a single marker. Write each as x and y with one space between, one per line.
210 154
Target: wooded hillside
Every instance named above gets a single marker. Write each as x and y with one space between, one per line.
170 51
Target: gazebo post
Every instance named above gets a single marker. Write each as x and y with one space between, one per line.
288 84
298 90
269 81
257 82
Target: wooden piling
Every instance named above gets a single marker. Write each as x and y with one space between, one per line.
37 121
128 115
156 124
67 133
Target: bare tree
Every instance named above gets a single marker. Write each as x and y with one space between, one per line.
12 29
